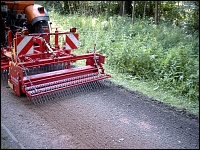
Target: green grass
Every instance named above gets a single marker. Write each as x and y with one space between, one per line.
158 61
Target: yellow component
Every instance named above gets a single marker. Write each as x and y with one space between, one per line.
10 84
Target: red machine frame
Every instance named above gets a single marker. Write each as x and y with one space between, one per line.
43 54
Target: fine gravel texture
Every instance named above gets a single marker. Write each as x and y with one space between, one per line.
110 117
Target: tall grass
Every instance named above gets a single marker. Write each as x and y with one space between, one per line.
163 54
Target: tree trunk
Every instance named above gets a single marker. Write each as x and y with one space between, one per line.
145 5
133 11
156 13
123 9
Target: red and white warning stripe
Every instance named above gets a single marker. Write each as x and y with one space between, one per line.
25 45
71 41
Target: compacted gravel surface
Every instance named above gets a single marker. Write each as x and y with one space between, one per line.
105 118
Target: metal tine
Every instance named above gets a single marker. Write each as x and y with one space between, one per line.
85 88
98 84
41 100
79 88
51 96
71 91
95 85
34 101
68 91
60 95
48 97
92 85
56 94
88 87
45 98
76 89
103 82
37 101
63 93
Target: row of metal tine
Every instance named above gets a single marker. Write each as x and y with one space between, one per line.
38 100
63 85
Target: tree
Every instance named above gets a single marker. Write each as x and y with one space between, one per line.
125 8
133 11
156 13
145 5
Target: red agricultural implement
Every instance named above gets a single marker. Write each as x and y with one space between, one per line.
32 65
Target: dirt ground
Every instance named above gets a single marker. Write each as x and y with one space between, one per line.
106 118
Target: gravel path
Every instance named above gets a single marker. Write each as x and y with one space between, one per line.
106 118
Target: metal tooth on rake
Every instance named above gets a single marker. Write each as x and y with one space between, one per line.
60 94
34 100
38 100
70 91
76 89
65 92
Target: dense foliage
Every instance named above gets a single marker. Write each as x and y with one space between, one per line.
181 13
